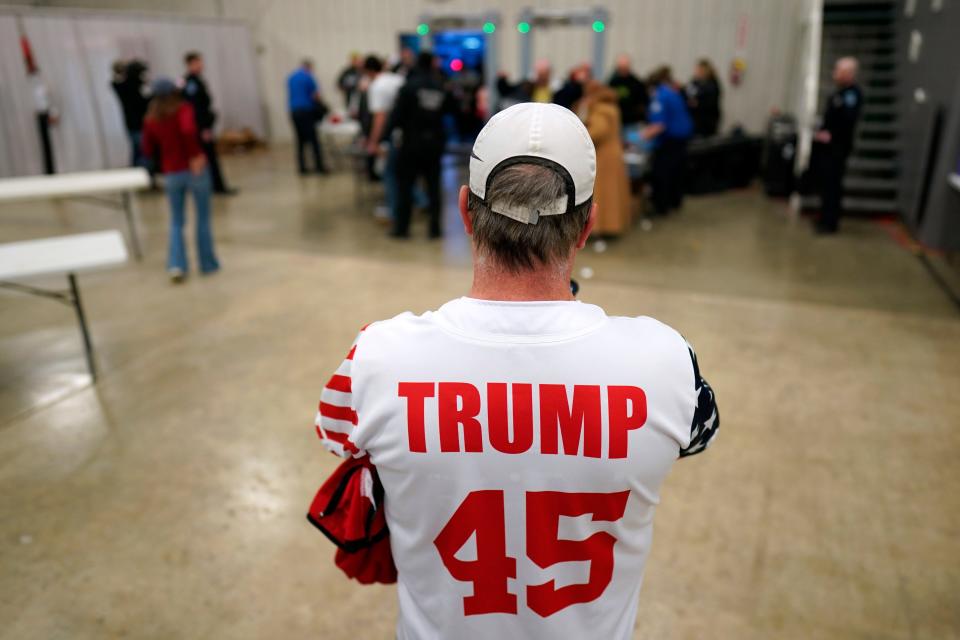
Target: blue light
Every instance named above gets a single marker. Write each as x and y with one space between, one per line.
472 43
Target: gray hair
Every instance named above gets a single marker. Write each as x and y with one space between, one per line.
517 246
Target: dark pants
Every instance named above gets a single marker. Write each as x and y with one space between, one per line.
213 164
305 127
832 165
136 152
43 124
666 174
413 163
137 159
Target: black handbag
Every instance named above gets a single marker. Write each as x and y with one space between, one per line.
320 110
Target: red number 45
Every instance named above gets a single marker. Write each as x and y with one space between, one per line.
482 512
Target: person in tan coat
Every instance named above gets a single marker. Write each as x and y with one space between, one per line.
600 113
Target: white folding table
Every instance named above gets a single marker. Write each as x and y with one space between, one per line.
65 255
89 186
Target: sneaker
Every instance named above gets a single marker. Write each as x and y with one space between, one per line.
176 275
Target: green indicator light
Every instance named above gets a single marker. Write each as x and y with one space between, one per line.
489 27
598 26
423 29
523 27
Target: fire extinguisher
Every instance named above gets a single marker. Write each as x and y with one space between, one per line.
737 68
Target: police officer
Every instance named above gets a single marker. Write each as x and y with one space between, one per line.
835 141
195 92
669 130
418 119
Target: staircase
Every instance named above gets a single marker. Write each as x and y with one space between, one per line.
866 30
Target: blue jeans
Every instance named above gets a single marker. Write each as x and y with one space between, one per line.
390 180
136 155
391 185
177 185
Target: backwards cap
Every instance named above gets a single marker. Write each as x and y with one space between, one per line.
535 133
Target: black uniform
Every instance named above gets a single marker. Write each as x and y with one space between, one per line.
195 92
133 101
632 97
418 115
568 94
347 82
830 161
703 101
511 94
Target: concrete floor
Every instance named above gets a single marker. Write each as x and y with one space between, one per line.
168 500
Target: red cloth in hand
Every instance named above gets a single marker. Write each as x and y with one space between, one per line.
348 509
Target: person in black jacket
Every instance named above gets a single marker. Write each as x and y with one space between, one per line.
129 83
703 95
572 90
349 80
418 115
632 93
834 142
195 92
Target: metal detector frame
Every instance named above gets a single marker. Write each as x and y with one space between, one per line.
448 21
544 18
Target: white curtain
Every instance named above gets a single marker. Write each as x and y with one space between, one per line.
19 137
104 41
75 53
77 139
239 84
230 67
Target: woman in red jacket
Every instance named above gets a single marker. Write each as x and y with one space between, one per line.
170 129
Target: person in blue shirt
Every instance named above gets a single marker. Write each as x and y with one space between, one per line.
303 99
670 128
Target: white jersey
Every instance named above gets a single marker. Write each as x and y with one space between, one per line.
383 91
521 446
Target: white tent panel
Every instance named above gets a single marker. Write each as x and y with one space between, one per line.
77 139
19 137
104 41
240 90
75 53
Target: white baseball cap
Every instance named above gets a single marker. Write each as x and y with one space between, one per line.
535 133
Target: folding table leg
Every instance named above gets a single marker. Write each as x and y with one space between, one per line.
87 344
129 208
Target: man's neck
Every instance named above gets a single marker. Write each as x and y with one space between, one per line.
544 282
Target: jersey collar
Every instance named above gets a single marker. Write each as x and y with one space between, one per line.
526 322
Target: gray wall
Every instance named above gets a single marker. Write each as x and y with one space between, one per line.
937 73
764 32
75 50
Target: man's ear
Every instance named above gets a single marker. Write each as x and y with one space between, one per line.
464 213
587 228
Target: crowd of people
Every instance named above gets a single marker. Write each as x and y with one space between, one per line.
656 111
407 136
401 109
404 110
